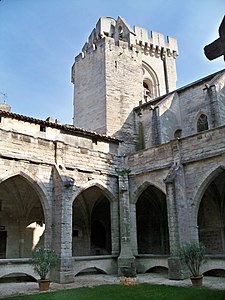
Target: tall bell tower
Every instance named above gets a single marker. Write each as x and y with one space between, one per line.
117 70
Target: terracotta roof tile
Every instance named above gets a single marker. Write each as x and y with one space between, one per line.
65 127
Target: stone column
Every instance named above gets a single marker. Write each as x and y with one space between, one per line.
156 132
178 219
62 229
212 99
22 228
115 234
169 65
126 260
174 262
133 228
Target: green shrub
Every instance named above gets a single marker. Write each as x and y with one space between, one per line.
44 260
192 255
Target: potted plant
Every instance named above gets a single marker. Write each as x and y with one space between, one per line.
192 254
44 260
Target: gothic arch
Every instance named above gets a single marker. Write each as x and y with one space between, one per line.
141 188
91 220
149 75
202 188
209 214
198 120
95 183
202 123
36 184
151 220
26 213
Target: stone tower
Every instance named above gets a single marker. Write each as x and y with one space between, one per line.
117 70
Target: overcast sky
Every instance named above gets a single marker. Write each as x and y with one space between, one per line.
40 38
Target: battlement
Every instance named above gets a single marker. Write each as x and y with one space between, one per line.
155 40
119 68
120 30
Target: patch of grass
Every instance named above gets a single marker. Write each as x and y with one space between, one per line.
121 292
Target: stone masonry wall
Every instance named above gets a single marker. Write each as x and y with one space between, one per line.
124 91
201 155
90 89
37 158
180 110
108 76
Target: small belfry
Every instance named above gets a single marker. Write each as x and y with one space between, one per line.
4 105
117 70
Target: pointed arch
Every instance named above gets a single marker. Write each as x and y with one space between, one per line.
151 220
92 218
206 180
202 122
36 183
209 214
27 212
95 183
136 194
150 79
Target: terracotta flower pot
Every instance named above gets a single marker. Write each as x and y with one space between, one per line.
44 284
128 280
197 281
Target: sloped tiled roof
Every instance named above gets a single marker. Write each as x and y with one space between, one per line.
65 127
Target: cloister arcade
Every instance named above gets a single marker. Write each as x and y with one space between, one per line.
24 213
23 216
211 215
152 223
91 223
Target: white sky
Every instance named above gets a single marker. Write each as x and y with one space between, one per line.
40 38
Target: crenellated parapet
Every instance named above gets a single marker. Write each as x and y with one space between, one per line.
137 39
119 68
155 43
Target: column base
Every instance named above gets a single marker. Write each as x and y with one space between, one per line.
177 270
65 272
127 267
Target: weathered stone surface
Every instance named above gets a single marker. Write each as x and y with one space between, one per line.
64 180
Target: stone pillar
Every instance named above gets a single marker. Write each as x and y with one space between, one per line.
62 228
178 219
156 132
174 262
169 65
22 228
133 229
126 260
115 234
212 99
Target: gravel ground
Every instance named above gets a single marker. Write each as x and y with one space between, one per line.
16 288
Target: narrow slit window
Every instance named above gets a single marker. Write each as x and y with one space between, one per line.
202 123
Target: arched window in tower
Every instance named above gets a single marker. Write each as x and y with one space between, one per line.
202 123
150 83
147 90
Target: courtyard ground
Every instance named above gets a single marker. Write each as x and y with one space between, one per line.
15 288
